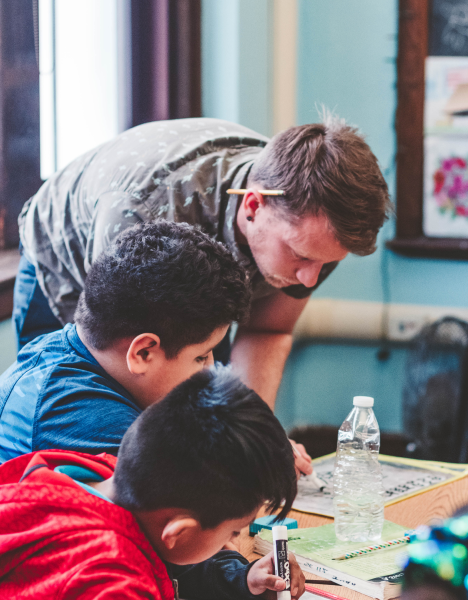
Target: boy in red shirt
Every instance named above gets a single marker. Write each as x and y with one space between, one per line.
192 471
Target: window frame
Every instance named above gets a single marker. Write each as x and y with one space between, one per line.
165 40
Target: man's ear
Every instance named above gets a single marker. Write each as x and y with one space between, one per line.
178 530
252 201
143 351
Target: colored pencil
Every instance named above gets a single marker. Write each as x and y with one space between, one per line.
314 590
368 549
264 192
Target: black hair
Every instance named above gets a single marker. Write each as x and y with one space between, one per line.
212 447
165 278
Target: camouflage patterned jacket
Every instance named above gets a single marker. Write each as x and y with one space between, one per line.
178 170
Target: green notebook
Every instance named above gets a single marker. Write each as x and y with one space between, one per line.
377 574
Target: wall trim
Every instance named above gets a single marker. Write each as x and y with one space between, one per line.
359 320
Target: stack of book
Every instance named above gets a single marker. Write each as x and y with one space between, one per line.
376 573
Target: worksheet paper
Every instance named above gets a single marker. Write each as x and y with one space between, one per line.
401 478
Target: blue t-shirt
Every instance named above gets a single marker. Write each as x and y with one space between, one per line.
57 396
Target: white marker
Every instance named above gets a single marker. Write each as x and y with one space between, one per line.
280 552
315 481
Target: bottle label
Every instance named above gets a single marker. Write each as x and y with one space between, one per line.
282 562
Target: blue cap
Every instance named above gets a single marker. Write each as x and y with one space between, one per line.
267 523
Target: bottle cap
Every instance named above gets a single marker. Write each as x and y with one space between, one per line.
363 401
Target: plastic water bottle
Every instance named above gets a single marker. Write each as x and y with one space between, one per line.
357 482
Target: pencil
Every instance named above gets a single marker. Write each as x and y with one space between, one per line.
323 593
264 192
403 540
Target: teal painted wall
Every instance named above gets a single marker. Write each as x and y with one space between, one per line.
255 52
321 379
236 62
220 59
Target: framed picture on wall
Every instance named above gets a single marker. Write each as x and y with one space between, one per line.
432 129
445 206
445 191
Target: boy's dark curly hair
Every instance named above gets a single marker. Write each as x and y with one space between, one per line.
165 278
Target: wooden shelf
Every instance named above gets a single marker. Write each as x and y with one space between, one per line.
427 247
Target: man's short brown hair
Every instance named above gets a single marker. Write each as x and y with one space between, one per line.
327 168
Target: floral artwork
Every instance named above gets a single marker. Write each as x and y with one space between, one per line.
445 205
445 209
451 186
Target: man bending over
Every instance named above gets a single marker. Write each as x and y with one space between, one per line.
334 201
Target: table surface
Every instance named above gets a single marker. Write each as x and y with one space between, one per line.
439 503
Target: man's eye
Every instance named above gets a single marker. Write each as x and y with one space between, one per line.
202 359
297 256
235 533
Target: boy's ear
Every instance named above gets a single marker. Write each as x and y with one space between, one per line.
143 351
178 530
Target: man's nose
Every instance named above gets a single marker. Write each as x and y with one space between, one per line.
308 275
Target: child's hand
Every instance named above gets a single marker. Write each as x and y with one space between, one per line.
261 578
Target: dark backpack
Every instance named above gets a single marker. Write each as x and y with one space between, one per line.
435 393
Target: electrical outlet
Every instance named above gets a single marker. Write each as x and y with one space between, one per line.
403 328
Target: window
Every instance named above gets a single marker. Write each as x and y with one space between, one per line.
148 68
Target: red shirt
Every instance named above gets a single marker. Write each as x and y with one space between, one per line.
59 541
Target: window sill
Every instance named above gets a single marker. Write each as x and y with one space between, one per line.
9 260
427 247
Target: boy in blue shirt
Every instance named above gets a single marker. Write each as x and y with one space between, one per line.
155 304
